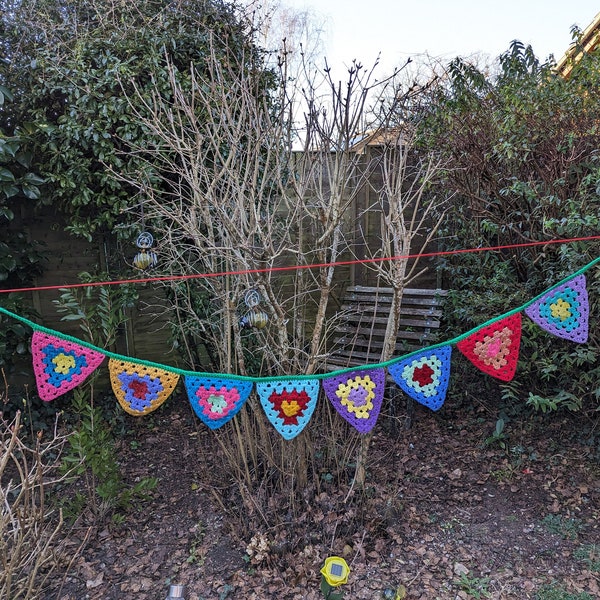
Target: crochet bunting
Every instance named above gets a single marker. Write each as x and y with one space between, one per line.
60 365
216 400
140 389
494 349
289 405
424 376
563 311
357 396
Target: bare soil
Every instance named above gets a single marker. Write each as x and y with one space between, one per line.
444 514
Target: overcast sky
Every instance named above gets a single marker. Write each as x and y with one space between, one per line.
444 28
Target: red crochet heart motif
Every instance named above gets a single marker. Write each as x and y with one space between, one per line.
290 405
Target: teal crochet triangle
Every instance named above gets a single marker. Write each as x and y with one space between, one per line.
288 404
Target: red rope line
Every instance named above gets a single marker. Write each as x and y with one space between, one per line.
297 267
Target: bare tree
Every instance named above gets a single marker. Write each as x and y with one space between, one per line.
411 212
284 30
246 193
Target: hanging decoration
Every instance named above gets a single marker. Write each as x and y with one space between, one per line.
563 311
140 389
494 349
254 317
145 258
424 376
216 400
60 365
289 405
357 396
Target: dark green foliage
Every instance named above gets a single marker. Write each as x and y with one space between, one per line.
21 259
88 73
78 66
589 554
555 592
92 458
20 189
100 312
567 527
521 150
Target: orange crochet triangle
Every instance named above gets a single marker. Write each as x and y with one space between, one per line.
494 349
139 388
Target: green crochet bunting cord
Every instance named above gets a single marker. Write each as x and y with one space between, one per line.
317 376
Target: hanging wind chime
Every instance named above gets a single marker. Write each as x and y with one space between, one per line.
255 317
146 257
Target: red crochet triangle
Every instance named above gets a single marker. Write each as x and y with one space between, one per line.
494 349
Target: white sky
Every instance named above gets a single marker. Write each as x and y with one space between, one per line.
443 28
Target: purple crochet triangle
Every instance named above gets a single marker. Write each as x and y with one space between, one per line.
357 396
564 310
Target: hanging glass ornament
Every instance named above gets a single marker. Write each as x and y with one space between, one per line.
144 240
145 258
255 317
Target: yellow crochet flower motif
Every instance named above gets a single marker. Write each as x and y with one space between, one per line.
357 395
561 309
63 363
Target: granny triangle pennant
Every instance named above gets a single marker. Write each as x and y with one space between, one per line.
357 396
288 404
140 389
494 349
60 365
424 376
216 400
564 310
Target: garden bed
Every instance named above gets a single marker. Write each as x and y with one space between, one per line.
444 514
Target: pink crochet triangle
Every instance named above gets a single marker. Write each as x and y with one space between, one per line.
60 365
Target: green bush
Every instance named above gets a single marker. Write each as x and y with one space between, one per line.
523 167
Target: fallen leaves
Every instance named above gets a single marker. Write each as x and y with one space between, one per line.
444 508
